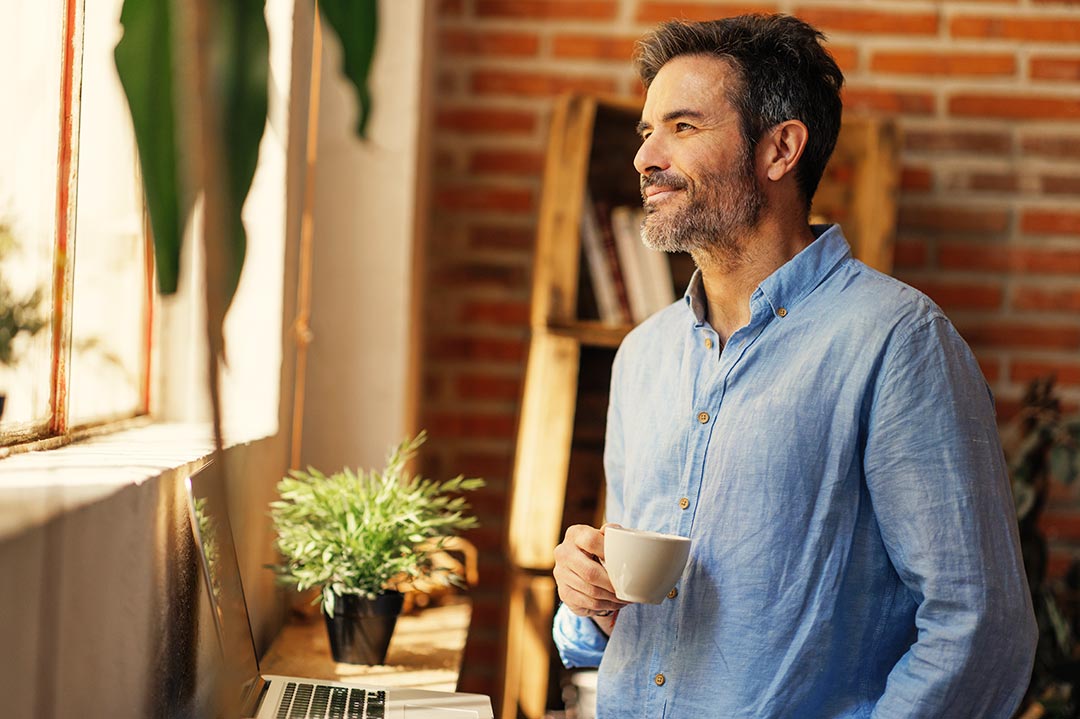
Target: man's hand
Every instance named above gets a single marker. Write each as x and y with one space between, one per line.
583 582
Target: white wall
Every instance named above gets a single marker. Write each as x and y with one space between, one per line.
359 376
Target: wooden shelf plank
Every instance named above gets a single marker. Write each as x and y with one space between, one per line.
592 334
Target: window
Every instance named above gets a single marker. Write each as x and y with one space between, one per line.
75 274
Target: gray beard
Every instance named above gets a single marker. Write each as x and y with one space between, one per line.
720 210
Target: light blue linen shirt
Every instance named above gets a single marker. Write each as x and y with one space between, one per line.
855 550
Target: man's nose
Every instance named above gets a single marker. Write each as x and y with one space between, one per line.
651 156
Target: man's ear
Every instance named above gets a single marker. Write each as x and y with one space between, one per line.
782 147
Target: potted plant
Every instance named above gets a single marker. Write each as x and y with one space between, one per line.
17 315
359 536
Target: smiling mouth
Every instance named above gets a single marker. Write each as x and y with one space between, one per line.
655 194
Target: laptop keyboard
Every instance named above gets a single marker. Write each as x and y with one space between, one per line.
317 701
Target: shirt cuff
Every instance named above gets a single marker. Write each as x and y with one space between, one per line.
580 642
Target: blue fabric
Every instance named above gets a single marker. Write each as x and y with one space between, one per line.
855 551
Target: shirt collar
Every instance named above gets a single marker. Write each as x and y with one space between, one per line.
792 281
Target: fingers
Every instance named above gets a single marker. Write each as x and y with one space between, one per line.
583 582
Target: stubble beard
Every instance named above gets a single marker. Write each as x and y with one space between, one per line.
712 219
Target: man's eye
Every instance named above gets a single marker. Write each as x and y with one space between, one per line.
682 126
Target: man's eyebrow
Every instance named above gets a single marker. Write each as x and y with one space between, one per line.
642 126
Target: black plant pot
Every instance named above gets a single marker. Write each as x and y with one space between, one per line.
360 628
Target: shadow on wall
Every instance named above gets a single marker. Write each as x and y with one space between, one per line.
101 610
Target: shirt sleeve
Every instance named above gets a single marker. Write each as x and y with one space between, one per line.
940 492
580 642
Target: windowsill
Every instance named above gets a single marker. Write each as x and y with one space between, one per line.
36 487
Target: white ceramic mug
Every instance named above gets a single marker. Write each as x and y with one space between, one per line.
644 566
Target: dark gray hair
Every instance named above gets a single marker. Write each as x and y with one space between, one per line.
783 73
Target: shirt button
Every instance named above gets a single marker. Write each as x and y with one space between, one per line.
673 593
703 417
781 312
684 503
708 343
659 679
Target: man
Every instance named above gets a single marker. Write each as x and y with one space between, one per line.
819 430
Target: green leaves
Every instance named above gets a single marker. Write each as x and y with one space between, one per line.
357 533
144 63
149 65
241 53
356 24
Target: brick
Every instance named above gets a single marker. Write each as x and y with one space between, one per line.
450 8
487 463
962 295
465 274
1050 222
655 12
861 99
489 44
1038 29
984 181
1060 184
1061 525
1046 299
502 237
447 82
1055 147
1056 68
997 258
944 63
991 369
444 160
504 312
953 219
478 348
916 179
847 57
537 84
958 141
464 426
477 387
548 9
483 198
508 162
484 121
849 19
1006 408
1015 107
997 333
1066 373
909 254
594 47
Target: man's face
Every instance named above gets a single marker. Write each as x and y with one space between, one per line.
697 175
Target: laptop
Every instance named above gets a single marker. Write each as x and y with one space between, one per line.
240 690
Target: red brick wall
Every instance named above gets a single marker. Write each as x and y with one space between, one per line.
987 94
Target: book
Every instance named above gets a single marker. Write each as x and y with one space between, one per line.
647 272
603 217
657 269
601 272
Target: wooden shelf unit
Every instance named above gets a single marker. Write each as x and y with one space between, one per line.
558 471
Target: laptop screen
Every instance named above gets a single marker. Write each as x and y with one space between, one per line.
235 681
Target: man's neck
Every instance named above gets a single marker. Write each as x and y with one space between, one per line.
731 278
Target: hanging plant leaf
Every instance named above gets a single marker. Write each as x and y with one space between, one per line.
356 24
240 66
144 63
